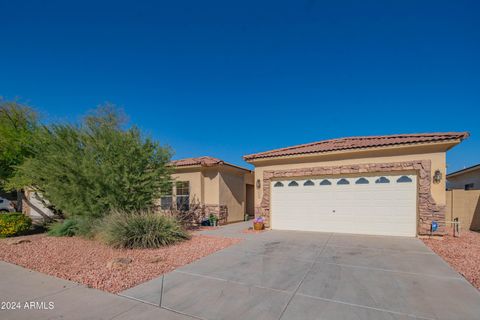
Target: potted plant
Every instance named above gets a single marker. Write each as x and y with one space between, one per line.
258 223
213 220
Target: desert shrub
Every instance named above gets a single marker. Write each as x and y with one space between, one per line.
65 228
141 229
76 226
14 224
88 170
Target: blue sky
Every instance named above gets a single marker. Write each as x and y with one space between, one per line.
228 78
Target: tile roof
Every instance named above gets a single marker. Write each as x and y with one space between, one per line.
199 161
204 162
359 143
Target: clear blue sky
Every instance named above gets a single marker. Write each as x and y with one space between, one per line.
228 78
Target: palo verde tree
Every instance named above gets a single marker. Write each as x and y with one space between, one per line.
18 124
89 169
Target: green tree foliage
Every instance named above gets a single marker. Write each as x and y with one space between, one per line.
89 169
18 124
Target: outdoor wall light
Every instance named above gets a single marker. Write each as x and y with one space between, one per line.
258 184
437 176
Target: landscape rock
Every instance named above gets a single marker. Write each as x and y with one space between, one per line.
18 241
118 263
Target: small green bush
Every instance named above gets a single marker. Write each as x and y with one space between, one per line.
77 226
141 230
65 228
14 224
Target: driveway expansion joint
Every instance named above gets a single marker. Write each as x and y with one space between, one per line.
391 270
363 306
231 281
304 277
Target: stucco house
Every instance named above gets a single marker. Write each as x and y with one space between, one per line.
379 185
466 179
221 188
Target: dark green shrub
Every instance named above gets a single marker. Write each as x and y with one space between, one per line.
70 227
141 230
65 228
14 224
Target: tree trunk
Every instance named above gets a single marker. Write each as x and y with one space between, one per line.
19 206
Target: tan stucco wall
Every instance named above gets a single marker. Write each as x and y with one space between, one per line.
249 178
459 181
464 205
219 185
435 154
211 179
232 193
195 179
250 200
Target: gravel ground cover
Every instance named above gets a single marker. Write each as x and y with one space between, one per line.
462 253
96 265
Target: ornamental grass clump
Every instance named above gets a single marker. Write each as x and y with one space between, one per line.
141 229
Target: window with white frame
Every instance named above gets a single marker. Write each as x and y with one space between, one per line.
166 198
183 195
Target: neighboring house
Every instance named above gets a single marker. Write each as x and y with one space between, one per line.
382 185
35 207
463 197
223 189
466 179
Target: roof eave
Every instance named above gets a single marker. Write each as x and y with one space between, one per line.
451 143
463 171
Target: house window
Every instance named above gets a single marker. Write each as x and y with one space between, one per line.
293 184
278 184
362 181
382 180
309 183
469 186
343 181
166 198
325 183
183 195
404 179
166 202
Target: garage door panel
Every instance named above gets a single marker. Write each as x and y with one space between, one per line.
373 208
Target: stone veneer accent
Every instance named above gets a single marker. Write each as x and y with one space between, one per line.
428 210
220 211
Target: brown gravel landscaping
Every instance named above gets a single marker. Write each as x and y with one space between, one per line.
462 253
89 262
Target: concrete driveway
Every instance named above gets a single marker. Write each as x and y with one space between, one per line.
305 275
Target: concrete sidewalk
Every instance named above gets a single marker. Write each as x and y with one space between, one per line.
70 300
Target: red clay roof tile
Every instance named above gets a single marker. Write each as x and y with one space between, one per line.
199 161
358 143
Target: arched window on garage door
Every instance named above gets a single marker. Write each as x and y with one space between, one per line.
325 182
382 180
308 183
404 179
343 181
362 181
278 184
293 184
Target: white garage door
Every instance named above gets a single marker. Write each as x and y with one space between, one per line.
380 205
